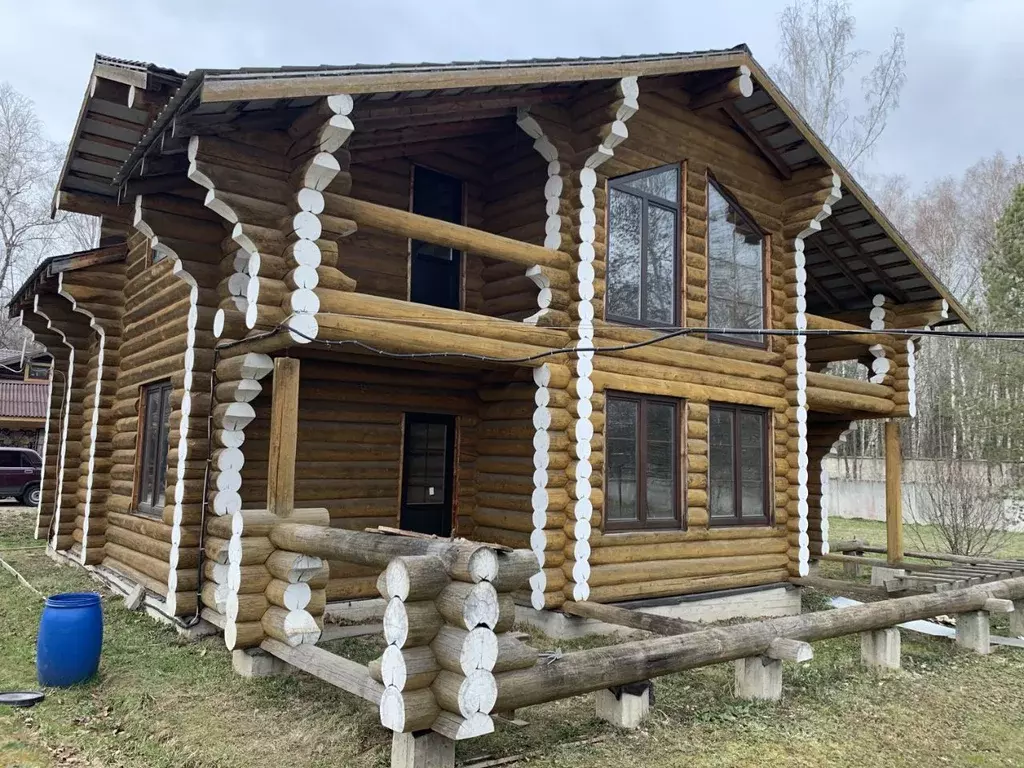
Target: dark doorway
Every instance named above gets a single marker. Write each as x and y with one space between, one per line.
428 464
436 271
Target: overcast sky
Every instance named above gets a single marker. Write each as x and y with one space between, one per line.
962 100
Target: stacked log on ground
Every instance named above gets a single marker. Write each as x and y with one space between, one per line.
238 383
97 293
449 610
75 334
349 451
52 432
186 235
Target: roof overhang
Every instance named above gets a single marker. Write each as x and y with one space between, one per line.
41 280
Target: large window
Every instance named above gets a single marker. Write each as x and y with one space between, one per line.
736 286
154 425
642 467
643 247
738 490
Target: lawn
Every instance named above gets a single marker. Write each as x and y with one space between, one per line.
159 701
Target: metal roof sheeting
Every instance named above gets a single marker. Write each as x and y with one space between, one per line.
24 399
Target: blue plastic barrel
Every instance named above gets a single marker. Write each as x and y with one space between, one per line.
70 638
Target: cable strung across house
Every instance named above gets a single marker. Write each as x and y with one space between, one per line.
675 333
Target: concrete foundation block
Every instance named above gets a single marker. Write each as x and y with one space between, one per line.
425 749
252 662
758 679
972 631
1017 619
624 707
880 648
881 574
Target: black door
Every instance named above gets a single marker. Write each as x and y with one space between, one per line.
436 271
428 473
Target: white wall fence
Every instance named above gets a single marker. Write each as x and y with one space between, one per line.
857 486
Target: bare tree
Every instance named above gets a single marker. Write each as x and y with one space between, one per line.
28 165
80 232
966 505
816 56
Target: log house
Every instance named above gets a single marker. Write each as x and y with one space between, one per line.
528 304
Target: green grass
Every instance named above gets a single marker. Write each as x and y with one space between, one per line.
873 532
159 701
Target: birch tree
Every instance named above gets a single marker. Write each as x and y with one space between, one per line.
817 55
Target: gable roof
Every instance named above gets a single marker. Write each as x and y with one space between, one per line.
859 253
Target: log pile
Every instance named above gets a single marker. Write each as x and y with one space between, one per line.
97 295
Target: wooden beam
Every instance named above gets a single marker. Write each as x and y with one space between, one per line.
820 244
766 149
284 426
624 617
429 132
818 288
337 670
94 205
585 671
443 103
466 239
893 491
720 92
897 293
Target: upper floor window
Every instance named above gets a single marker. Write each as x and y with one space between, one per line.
154 428
436 270
643 247
642 480
736 287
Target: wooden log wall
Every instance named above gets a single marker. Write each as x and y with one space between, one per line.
75 335
822 435
96 293
55 416
349 453
166 335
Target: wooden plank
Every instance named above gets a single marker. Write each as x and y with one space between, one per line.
284 427
858 284
337 670
897 293
893 489
755 137
624 617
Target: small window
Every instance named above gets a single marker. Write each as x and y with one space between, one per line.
736 287
642 473
436 270
154 426
10 459
738 489
31 459
643 248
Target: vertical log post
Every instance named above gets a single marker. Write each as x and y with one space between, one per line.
284 427
893 489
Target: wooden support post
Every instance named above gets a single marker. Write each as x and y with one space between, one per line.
893 489
1017 619
880 648
426 749
625 706
758 678
284 425
972 632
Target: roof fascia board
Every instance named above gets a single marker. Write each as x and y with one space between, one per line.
219 89
859 193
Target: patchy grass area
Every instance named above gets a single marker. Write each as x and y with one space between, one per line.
873 532
161 702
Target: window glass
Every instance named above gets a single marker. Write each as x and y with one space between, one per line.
155 425
425 463
738 465
642 463
621 487
735 268
10 459
643 247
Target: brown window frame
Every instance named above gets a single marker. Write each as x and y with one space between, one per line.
737 491
161 443
641 523
678 262
765 266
